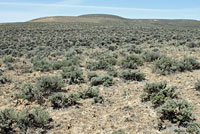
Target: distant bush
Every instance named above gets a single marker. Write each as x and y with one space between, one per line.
8 59
102 63
35 118
72 61
110 59
189 64
197 85
56 65
131 62
158 93
40 64
89 93
98 99
91 75
150 56
27 92
176 111
104 80
99 65
60 101
193 44
49 84
134 49
119 132
132 75
166 65
113 73
5 79
73 75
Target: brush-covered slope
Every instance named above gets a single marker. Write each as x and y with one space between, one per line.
113 19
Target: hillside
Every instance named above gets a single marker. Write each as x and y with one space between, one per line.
114 76
113 19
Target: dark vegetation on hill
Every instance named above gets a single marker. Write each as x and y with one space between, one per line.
113 19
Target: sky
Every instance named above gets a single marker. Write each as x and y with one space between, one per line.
24 10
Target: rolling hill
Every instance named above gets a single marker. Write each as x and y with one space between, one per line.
106 18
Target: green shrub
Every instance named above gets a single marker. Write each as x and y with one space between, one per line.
57 100
91 75
49 84
150 56
193 128
193 44
131 62
5 79
113 73
92 65
119 132
98 99
134 49
27 92
6 121
60 101
110 59
104 80
189 64
56 65
41 117
89 93
10 120
73 75
197 85
99 65
176 111
102 63
72 61
132 75
165 66
40 64
8 59
158 93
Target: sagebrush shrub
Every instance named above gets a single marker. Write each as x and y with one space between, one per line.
119 132
193 44
73 75
5 79
61 101
89 93
134 49
40 64
150 56
91 75
167 65
24 119
6 122
27 92
72 61
176 111
8 59
113 73
197 85
56 65
132 75
189 64
158 93
46 85
104 80
131 62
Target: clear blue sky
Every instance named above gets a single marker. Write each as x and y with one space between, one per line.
23 10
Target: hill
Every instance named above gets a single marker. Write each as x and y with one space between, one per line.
106 18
